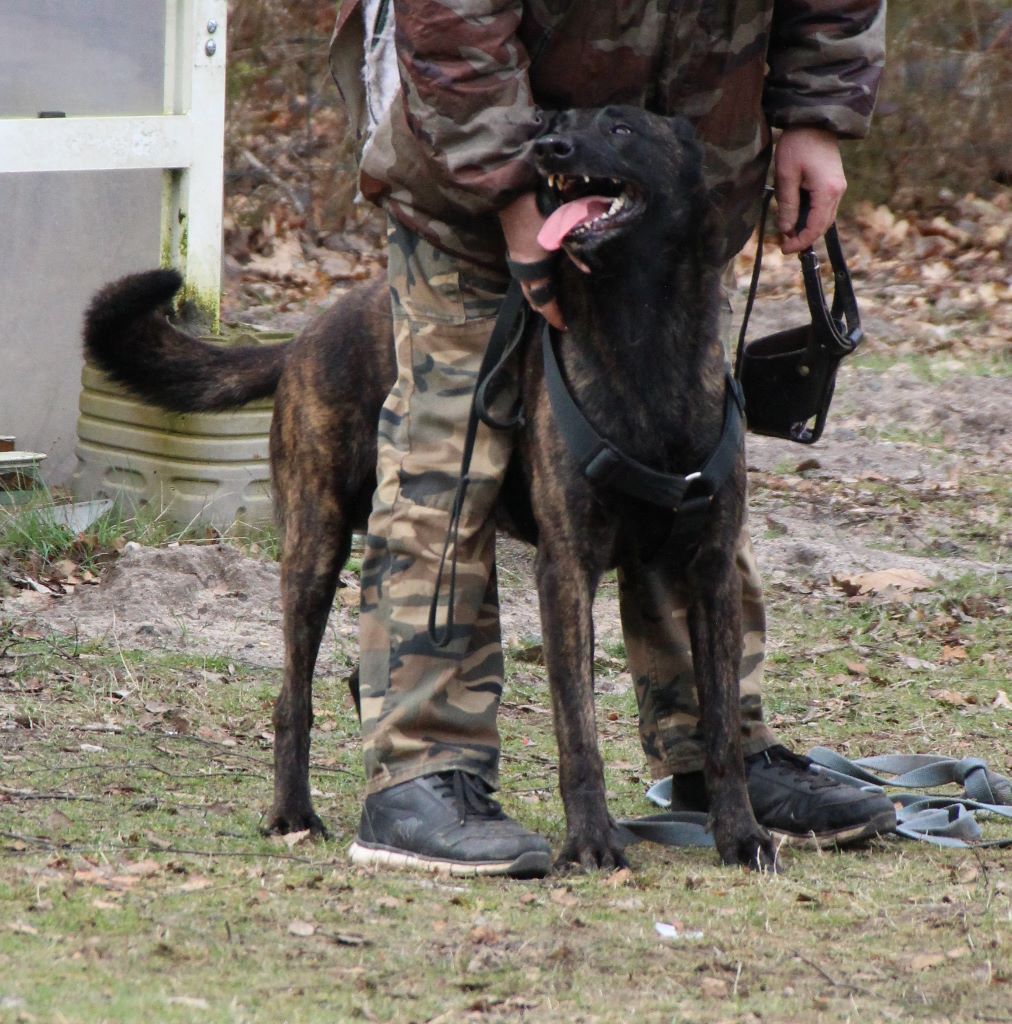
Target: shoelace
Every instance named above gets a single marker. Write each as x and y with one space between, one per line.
784 759
470 795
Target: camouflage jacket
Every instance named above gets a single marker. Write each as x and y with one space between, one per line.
451 147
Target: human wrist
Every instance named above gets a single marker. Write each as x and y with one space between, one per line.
521 221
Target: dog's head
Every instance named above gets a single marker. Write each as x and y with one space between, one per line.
617 172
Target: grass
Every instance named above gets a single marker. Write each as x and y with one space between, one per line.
966 516
30 538
936 369
134 883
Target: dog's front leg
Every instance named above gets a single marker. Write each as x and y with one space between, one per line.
715 632
566 592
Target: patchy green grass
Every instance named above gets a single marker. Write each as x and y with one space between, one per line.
33 541
932 369
930 665
134 882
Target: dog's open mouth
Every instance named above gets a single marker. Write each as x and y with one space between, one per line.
589 208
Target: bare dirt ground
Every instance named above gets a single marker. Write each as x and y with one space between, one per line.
818 514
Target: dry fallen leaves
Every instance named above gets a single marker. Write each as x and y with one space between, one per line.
565 898
953 697
293 839
713 988
883 582
952 653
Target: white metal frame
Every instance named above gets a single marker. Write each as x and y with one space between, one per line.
186 142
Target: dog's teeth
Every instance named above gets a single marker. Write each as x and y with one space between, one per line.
586 180
617 203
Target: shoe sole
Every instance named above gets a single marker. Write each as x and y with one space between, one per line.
880 825
528 865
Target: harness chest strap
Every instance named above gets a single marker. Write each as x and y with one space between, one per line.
605 465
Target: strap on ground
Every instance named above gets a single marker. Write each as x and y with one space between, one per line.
944 820
941 820
673 828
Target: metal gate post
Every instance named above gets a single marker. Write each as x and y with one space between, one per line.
192 195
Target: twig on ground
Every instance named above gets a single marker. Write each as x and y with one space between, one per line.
132 766
31 794
829 977
68 848
278 182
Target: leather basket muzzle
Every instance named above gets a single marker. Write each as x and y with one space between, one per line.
788 377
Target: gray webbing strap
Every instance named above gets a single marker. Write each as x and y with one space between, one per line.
674 828
941 820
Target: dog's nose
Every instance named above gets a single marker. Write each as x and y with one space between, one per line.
554 146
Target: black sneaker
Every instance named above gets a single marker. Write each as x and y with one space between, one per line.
799 804
446 824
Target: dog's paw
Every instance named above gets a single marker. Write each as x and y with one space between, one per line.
755 850
590 855
282 822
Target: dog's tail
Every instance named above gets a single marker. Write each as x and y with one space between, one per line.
126 335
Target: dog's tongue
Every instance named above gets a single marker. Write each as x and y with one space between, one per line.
569 216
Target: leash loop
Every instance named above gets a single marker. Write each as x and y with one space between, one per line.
507 334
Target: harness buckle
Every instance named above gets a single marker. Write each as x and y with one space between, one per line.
601 469
692 506
696 503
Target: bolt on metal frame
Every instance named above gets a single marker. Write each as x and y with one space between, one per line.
186 142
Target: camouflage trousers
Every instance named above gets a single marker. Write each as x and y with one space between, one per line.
427 708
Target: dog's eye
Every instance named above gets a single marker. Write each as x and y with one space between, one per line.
621 129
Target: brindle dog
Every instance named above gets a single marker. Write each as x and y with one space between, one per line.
639 289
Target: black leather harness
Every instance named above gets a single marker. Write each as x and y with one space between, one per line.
687 497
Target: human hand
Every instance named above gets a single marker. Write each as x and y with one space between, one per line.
807 158
521 221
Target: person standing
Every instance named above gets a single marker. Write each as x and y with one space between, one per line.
448 105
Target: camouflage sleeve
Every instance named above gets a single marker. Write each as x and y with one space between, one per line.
825 61
467 95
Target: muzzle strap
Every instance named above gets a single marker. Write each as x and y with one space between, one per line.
788 377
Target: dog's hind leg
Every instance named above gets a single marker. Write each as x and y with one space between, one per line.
318 468
715 630
566 587
308 581
316 544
